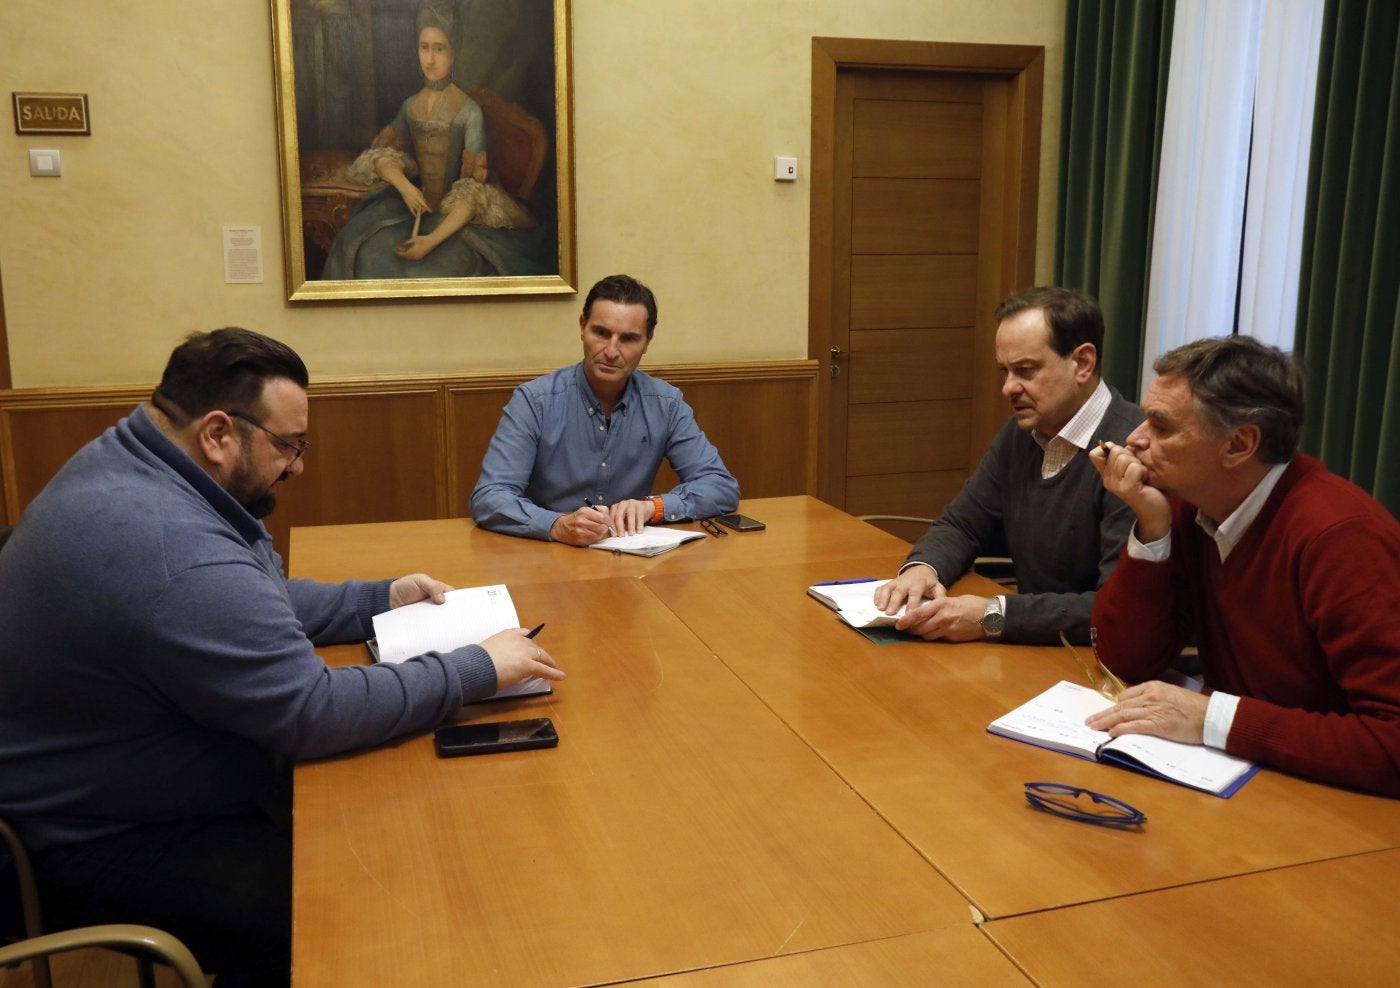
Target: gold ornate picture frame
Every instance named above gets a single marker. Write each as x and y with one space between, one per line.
426 147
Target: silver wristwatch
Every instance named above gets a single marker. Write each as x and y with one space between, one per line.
993 619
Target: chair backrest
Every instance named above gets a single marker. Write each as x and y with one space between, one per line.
516 142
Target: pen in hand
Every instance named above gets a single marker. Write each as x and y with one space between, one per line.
598 507
536 630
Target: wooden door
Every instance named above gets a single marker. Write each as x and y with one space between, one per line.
925 168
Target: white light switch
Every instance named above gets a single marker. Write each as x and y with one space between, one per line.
785 169
45 163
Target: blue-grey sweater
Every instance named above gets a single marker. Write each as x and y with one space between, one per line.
154 662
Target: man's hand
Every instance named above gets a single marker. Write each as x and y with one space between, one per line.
950 619
1124 475
908 589
1155 708
517 657
415 587
582 527
630 517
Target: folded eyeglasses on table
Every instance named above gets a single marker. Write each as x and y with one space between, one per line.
1083 805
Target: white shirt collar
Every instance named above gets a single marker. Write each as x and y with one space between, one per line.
1228 533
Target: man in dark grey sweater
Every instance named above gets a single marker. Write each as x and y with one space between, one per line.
1035 495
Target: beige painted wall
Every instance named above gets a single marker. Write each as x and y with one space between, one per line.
679 109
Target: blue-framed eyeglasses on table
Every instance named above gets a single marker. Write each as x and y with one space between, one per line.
1083 805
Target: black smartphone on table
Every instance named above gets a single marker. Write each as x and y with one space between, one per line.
740 523
507 735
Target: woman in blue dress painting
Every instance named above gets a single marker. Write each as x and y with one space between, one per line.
441 215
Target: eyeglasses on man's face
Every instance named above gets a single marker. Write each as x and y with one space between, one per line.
296 446
1082 805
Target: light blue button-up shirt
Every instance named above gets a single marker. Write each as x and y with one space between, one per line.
555 451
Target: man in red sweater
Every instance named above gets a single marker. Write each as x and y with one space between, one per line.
1286 576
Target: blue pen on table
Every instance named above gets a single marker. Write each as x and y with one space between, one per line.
841 583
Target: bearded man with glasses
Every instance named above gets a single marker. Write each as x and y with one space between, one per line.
158 672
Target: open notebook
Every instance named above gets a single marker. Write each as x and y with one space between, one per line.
652 540
854 602
467 617
1055 720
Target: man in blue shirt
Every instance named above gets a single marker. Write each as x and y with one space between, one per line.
577 451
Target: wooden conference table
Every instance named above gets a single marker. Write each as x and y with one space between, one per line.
746 790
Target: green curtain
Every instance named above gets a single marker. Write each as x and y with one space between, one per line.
1348 333
1115 93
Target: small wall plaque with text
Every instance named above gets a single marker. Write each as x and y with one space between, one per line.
51 113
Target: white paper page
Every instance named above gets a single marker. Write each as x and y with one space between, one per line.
466 618
1057 716
650 537
848 596
1193 764
855 603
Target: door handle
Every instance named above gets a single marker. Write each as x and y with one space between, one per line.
835 356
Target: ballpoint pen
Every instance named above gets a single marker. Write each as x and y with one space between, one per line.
536 630
589 504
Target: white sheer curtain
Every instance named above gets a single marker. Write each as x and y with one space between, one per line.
1278 171
1237 68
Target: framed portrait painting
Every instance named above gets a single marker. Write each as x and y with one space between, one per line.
426 147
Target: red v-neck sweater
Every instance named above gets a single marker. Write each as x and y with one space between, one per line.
1302 622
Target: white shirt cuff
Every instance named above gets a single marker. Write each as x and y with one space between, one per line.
1220 715
1153 552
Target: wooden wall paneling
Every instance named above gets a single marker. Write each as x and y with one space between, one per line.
41 430
400 449
473 412
762 428
759 416
5 381
376 455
